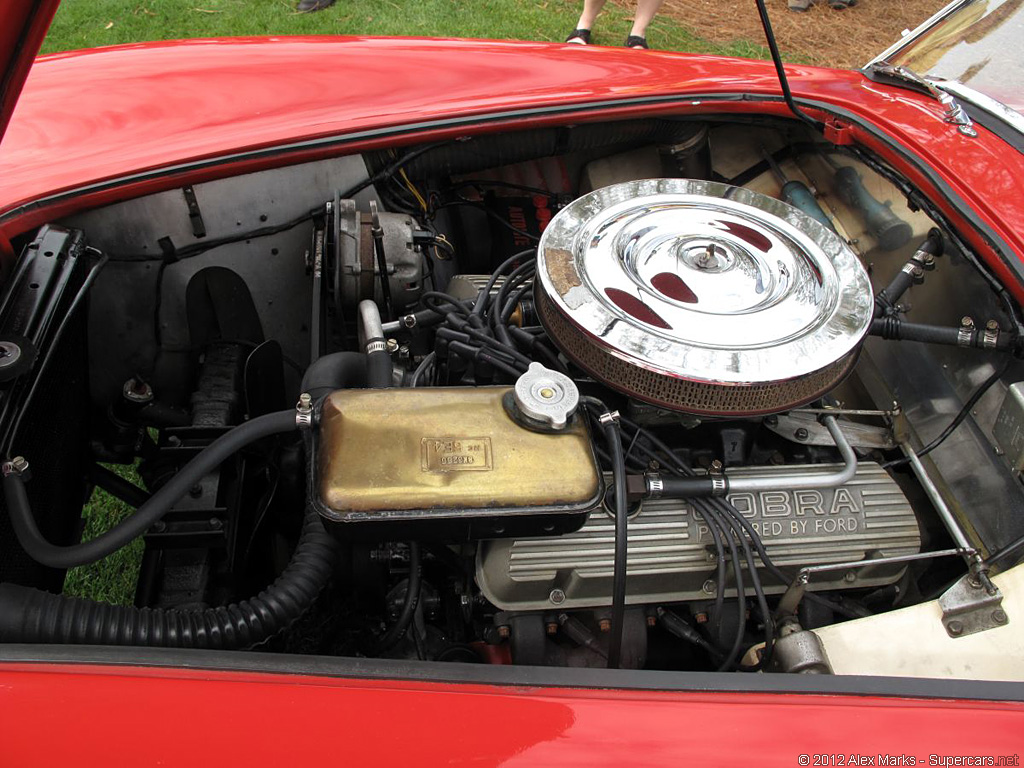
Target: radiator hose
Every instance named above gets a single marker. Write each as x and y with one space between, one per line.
32 616
42 551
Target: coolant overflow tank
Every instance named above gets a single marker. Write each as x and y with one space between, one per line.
447 462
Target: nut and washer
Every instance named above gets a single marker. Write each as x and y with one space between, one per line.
10 353
557 596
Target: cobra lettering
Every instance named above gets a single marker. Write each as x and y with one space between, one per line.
796 513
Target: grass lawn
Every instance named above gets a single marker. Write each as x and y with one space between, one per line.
113 578
90 23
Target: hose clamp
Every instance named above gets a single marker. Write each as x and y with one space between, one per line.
611 417
719 485
377 345
16 466
964 336
304 411
655 486
989 338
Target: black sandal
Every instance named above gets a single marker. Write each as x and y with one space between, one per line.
582 34
635 41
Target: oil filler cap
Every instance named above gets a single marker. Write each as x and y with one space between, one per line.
545 398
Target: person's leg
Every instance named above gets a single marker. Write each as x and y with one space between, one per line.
590 10
645 11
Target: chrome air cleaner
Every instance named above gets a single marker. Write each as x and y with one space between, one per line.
701 297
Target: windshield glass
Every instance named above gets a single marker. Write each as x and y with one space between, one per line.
979 45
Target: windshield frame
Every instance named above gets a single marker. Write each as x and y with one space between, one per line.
996 116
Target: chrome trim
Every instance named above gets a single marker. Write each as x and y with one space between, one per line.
985 103
715 284
918 31
804 481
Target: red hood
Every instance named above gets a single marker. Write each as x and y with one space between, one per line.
93 127
23 25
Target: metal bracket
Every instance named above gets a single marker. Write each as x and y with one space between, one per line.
194 214
804 427
795 591
968 608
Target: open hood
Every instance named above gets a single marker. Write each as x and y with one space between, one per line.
23 25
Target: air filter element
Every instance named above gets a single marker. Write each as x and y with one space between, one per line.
701 297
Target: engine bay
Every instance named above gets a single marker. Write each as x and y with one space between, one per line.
658 393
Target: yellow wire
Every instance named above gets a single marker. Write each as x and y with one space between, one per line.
412 188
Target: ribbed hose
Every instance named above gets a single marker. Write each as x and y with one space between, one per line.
33 616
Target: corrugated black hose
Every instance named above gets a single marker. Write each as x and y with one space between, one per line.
31 615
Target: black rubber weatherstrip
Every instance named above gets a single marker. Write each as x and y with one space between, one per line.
1006 254
513 676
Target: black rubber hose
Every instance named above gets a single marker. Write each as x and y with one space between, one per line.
42 551
378 370
32 616
412 597
338 370
117 486
614 439
893 327
689 487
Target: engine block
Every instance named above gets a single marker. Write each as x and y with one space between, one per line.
671 555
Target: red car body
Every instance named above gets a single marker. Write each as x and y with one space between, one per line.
100 126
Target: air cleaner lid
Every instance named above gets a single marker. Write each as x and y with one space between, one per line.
705 282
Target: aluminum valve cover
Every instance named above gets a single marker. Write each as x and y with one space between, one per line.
671 555
702 297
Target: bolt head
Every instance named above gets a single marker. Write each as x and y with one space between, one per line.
710 586
557 596
967 322
392 346
801 434
955 628
992 325
999 616
849 577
